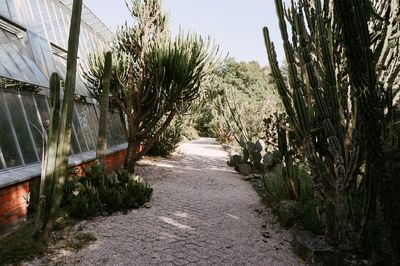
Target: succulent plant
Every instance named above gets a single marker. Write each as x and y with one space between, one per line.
58 148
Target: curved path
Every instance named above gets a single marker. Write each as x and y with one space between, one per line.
202 213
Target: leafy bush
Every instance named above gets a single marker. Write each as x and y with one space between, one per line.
97 192
190 133
168 141
246 87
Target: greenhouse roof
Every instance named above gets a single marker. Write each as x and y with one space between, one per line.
92 20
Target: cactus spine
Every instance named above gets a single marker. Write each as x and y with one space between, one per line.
102 134
59 143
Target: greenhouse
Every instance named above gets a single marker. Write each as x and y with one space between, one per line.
170 132
33 40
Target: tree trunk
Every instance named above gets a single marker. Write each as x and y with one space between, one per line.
133 144
131 157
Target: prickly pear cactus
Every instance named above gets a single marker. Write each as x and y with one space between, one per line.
252 158
245 169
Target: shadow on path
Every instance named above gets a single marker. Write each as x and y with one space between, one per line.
202 213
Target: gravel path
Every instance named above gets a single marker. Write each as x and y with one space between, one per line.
202 213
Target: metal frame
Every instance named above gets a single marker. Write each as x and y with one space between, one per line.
8 115
94 35
83 134
28 126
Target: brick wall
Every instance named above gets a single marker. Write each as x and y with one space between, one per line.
113 162
13 204
13 199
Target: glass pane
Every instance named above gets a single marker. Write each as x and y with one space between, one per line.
79 134
110 131
12 9
116 125
27 73
93 122
7 141
82 111
4 9
42 52
43 111
21 128
16 61
54 22
63 29
35 124
46 19
122 136
38 26
74 143
9 66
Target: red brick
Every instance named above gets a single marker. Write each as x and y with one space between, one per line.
11 220
14 187
9 205
14 194
18 211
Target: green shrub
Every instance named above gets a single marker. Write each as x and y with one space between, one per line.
96 193
306 216
190 133
168 141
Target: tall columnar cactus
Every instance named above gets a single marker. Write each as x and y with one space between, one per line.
102 135
334 103
50 156
58 148
312 105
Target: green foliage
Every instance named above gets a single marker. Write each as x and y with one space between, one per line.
169 140
55 163
97 192
240 91
306 215
289 180
338 107
155 77
190 133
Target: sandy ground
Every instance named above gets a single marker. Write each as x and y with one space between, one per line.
201 213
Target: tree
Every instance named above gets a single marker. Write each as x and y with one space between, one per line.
247 89
155 76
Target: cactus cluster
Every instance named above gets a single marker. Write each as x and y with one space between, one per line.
312 103
55 163
335 105
254 158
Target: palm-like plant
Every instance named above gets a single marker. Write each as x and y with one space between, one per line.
154 76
